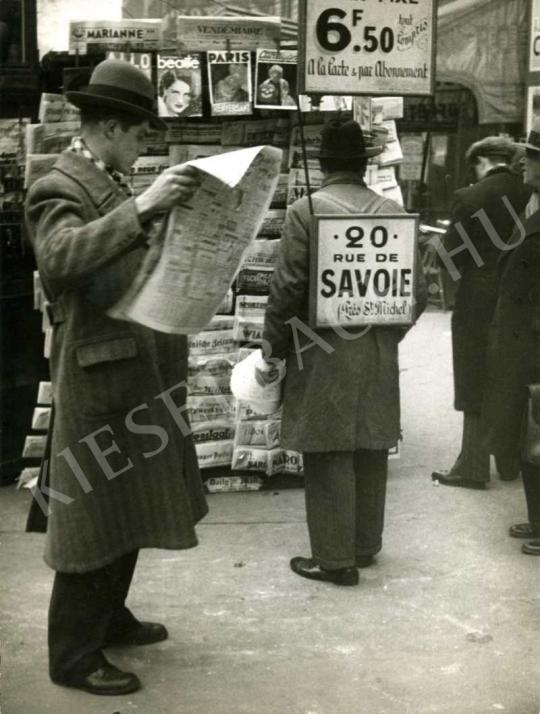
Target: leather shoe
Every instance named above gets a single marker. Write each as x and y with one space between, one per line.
144 633
523 530
108 680
450 479
532 548
364 561
307 568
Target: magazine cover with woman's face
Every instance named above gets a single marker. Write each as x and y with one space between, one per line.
179 85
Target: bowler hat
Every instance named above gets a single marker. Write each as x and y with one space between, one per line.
116 84
492 147
345 140
533 140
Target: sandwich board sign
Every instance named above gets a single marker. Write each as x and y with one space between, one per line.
363 270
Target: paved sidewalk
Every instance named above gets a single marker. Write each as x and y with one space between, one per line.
447 622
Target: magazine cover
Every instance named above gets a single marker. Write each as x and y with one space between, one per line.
229 82
276 79
179 85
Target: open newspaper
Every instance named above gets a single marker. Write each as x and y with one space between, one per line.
186 274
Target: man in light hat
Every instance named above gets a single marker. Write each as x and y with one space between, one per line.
476 296
514 373
341 404
122 475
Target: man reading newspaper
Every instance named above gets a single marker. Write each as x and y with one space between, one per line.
123 476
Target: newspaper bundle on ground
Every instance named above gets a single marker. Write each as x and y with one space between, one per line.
229 82
184 279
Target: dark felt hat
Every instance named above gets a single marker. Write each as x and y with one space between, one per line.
345 140
533 140
116 84
499 148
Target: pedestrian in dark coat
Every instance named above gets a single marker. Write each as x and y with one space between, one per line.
515 352
488 208
341 408
122 474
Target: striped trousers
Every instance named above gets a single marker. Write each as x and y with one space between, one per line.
345 500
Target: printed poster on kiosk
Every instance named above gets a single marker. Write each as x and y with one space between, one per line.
363 270
375 47
534 49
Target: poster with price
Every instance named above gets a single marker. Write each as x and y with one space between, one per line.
377 47
534 49
363 270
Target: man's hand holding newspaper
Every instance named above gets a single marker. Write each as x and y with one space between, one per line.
217 205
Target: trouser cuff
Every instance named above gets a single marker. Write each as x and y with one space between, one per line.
333 564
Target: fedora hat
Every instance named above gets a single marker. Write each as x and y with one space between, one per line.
346 140
533 140
116 84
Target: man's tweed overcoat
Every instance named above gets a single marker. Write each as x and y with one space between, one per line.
122 473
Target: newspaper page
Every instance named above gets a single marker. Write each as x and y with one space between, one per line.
227 33
179 85
37 166
50 138
56 108
326 103
89 36
229 83
184 279
12 139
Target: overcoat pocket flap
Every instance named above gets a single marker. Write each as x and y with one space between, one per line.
110 350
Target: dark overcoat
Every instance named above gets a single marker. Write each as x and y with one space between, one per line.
476 295
123 475
515 350
345 394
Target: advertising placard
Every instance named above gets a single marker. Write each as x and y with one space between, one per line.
363 270
534 50
377 47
